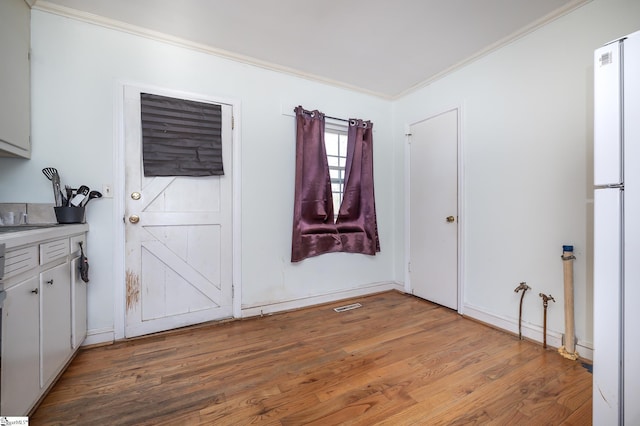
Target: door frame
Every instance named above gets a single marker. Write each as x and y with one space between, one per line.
119 201
407 200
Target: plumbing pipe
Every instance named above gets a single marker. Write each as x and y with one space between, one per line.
545 303
569 348
524 287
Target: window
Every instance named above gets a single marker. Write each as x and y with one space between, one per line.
335 141
321 172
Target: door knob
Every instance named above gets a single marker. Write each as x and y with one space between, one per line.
134 218
135 195
450 219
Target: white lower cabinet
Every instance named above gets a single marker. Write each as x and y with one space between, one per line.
21 348
44 320
55 321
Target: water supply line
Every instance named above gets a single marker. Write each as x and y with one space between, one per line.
568 350
545 304
524 287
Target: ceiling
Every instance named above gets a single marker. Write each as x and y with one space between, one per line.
382 47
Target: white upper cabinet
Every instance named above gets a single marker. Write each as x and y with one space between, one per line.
15 128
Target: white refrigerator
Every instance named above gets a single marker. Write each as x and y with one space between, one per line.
616 270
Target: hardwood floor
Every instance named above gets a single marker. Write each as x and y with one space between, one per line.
397 360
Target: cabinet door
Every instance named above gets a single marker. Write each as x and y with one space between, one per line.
78 305
55 324
14 78
20 349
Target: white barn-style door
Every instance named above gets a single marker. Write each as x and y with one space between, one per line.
178 236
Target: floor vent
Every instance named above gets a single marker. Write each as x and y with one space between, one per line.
347 307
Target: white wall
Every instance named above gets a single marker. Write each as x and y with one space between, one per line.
527 159
77 68
527 143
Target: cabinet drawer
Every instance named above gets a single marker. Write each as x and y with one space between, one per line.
75 247
20 260
53 250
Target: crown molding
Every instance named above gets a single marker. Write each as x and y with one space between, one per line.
46 6
566 9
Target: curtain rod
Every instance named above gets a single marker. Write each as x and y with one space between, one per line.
328 116
336 118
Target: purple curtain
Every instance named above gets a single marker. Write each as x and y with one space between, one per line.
314 230
357 223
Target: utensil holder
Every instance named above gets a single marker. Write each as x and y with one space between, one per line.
69 214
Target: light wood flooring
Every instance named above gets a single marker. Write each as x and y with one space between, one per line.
397 360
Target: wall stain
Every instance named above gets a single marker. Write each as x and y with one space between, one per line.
133 290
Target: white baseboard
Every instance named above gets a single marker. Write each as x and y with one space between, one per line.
107 335
585 350
303 302
97 336
529 331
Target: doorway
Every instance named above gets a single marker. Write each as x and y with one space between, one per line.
434 231
178 235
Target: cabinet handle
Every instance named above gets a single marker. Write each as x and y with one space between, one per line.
34 291
50 282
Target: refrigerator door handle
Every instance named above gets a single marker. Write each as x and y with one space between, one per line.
609 186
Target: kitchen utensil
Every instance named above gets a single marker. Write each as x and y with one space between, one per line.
82 192
57 192
92 195
84 265
52 174
69 192
49 171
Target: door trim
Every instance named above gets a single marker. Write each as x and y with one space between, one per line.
407 200
119 203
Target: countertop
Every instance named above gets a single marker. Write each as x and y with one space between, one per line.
29 235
